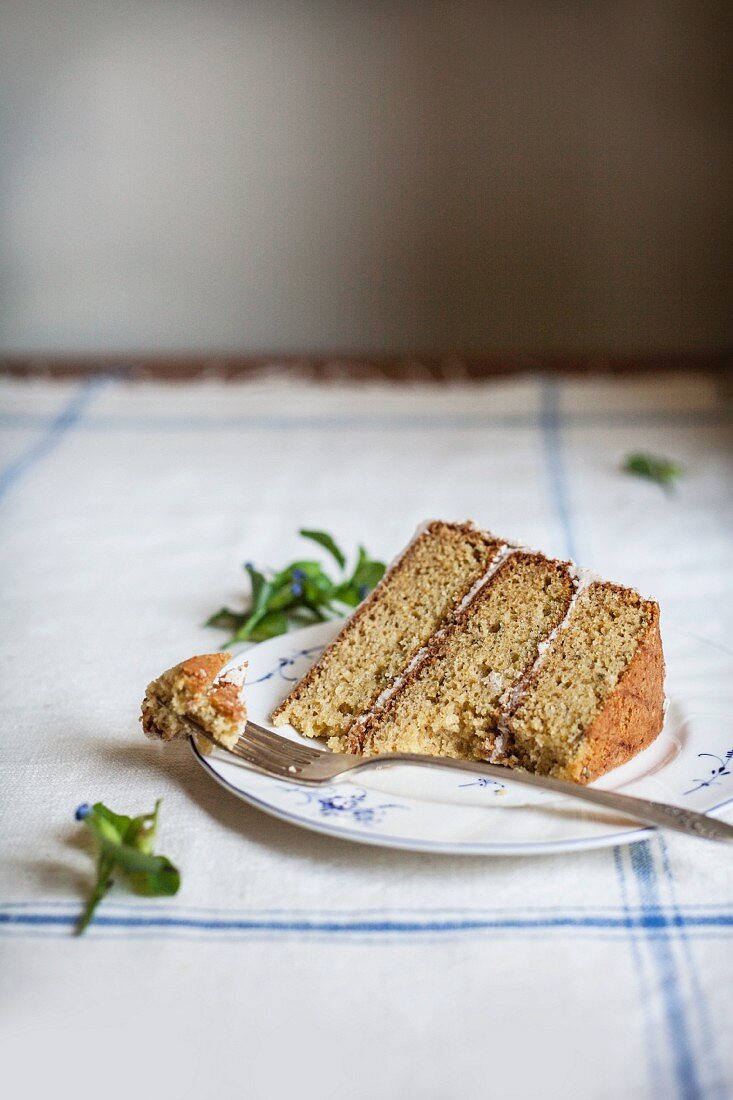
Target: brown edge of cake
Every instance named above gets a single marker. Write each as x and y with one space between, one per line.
642 693
393 570
358 733
633 714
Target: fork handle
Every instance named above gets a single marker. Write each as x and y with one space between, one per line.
642 809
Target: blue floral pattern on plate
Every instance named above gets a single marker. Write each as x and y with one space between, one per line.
287 662
719 769
352 804
484 781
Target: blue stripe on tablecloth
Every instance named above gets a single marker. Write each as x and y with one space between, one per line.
655 1065
56 428
642 862
685 1069
375 422
656 924
706 1026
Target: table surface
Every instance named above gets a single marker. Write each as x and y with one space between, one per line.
292 964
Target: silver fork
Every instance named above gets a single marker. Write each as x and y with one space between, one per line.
280 758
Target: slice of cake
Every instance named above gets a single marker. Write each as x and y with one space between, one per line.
195 691
537 665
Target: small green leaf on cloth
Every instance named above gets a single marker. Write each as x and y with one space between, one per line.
125 844
656 468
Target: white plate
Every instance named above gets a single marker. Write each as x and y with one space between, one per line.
433 810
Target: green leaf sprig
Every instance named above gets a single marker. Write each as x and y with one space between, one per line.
656 468
300 594
126 844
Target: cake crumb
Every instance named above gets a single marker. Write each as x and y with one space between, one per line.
196 690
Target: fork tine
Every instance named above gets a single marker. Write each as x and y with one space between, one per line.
271 740
274 753
258 760
269 757
251 754
263 749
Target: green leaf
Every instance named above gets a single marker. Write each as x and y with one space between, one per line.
283 598
126 844
325 540
141 831
317 590
101 886
368 575
227 619
656 468
302 593
304 616
270 626
292 572
348 594
108 825
245 632
158 879
258 583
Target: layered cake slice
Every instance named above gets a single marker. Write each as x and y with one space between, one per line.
538 665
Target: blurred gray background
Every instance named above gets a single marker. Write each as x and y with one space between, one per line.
261 176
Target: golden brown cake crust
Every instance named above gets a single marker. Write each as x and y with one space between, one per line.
363 609
632 716
201 671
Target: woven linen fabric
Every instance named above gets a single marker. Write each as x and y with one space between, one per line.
292 964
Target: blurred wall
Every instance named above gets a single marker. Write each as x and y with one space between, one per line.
206 174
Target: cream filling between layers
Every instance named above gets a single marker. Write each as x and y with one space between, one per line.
374 594
509 701
502 554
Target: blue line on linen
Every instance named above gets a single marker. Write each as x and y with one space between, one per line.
57 428
652 922
550 423
642 862
655 1065
708 1036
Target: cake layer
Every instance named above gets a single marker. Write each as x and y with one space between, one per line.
418 593
449 701
595 698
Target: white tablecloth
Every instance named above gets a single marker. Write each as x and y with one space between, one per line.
291 964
